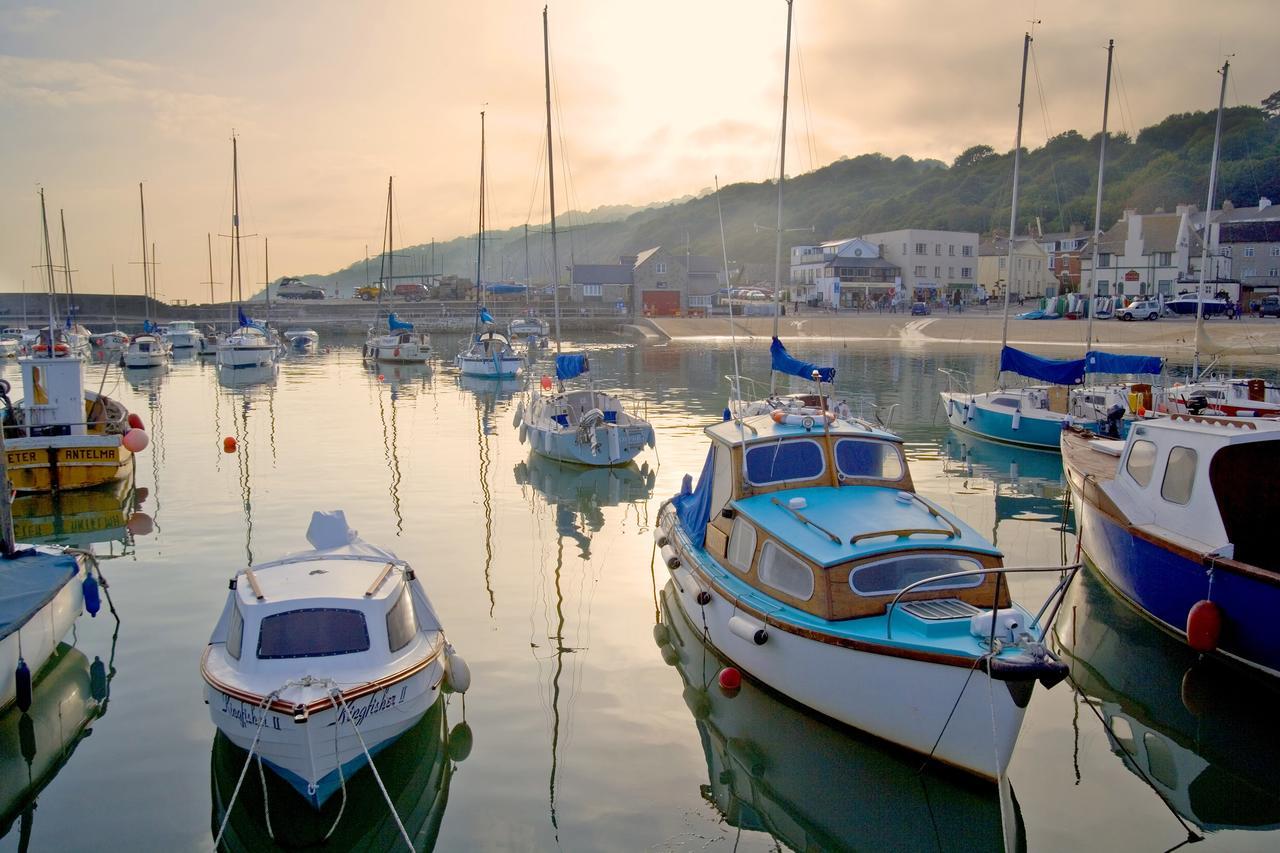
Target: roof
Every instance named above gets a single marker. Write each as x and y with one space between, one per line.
602 274
997 246
759 428
704 265
1249 232
850 511
647 254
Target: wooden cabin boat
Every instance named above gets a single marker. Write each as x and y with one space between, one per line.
1178 519
324 657
806 553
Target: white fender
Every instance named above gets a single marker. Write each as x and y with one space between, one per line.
524 431
968 410
519 415
669 556
1017 419
653 438
748 629
457 671
615 444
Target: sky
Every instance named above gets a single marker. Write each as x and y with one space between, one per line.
653 100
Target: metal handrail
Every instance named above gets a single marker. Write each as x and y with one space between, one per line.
1001 570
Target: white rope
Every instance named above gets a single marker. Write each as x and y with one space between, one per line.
262 706
342 778
337 694
266 803
1001 781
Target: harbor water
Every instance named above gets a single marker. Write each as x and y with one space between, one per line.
587 726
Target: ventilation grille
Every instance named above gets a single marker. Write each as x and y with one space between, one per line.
941 608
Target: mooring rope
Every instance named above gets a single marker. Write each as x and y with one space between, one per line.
262 706
404 833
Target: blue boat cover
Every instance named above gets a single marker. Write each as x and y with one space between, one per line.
783 362
504 288
28 583
398 325
146 326
694 507
485 316
244 321
571 365
1097 361
1053 370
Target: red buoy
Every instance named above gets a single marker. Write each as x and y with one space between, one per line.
546 382
730 678
135 421
1204 625
229 444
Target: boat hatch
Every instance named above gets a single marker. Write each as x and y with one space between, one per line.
888 577
941 608
312 632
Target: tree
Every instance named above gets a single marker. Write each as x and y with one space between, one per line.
1271 104
971 156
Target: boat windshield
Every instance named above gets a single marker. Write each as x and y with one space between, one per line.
313 632
868 459
785 462
888 577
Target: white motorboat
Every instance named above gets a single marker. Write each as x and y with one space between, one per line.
302 340
146 351
528 327
489 356
104 343
401 345
183 335
324 657
248 346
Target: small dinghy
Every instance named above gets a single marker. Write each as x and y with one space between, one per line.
324 657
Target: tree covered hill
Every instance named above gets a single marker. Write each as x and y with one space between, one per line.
1167 164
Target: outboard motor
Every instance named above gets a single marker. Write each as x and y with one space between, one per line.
1111 426
1197 403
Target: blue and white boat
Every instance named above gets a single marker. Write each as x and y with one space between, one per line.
811 563
324 657
1179 519
401 345
584 426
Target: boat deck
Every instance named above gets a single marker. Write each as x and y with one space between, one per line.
1083 456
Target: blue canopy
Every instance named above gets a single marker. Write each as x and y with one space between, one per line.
571 365
505 287
1053 370
28 582
146 326
694 506
1097 361
398 325
244 321
485 316
783 362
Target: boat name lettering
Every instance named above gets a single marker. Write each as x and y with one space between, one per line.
377 702
19 457
250 716
89 454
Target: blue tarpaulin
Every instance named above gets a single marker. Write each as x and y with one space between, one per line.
571 365
1046 369
505 288
694 507
783 362
1097 361
398 325
146 327
485 316
244 321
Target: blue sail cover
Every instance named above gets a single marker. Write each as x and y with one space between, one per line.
694 507
783 362
398 325
571 365
485 316
244 321
505 287
146 326
1045 369
1097 361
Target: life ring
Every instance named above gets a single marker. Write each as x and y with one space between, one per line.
805 417
56 348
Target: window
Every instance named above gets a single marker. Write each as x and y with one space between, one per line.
937 272
235 632
1272 272
966 251
313 632
904 248
699 301
742 544
1248 251
937 248
401 624
888 577
966 272
1006 402
1162 259
1104 259
1142 462
951 272
1275 251
784 462
1226 251
921 270
722 484
922 248
951 250
862 457
592 290
1179 475
1002 262
785 572
660 268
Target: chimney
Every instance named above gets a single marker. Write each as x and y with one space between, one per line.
1160 210
1129 211
1263 203
1227 205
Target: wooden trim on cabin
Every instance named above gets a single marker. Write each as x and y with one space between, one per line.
743 489
717 544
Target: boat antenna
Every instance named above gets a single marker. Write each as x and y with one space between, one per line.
733 333
1097 207
551 180
1013 207
1208 213
782 174
48 260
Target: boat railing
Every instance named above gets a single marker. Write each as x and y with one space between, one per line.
1068 572
957 380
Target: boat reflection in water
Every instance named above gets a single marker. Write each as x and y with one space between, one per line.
1028 485
813 784
69 694
416 770
1201 732
243 377
107 514
580 492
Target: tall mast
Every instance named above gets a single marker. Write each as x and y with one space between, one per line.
551 179
48 261
391 237
782 176
266 270
115 324
480 232
209 238
528 285
66 265
1208 213
1013 207
1097 207
235 217
146 286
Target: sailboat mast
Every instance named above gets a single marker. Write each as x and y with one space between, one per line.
48 261
235 217
146 287
528 285
782 175
391 237
1208 213
115 324
733 333
1097 207
551 179
66 265
1013 207
480 230
266 271
209 238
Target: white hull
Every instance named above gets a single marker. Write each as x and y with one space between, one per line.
144 359
397 353
490 367
40 636
236 357
185 340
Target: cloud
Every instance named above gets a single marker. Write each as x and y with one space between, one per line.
29 19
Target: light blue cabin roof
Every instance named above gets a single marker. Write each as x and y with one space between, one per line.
762 428
852 510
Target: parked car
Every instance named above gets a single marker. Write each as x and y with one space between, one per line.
411 292
919 308
1270 306
1146 310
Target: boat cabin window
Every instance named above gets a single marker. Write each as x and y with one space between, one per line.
888 577
1008 402
785 572
784 462
863 457
235 632
313 632
722 481
401 624
1141 463
1179 475
742 544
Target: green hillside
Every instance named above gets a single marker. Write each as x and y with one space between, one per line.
1167 164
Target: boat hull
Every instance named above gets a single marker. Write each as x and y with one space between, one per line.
1037 429
37 638
398 354
493 367
618 446
237 358
57 463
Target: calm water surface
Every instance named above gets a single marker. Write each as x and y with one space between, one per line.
580 733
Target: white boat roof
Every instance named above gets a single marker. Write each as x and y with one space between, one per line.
763 428
1221 430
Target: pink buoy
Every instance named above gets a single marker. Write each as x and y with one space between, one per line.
730 678
135 440
139 524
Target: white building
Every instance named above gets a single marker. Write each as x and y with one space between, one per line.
1146 254
841 272
934 264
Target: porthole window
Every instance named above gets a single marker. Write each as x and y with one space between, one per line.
888 577
1179 475
785 572
742 544
1142 462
